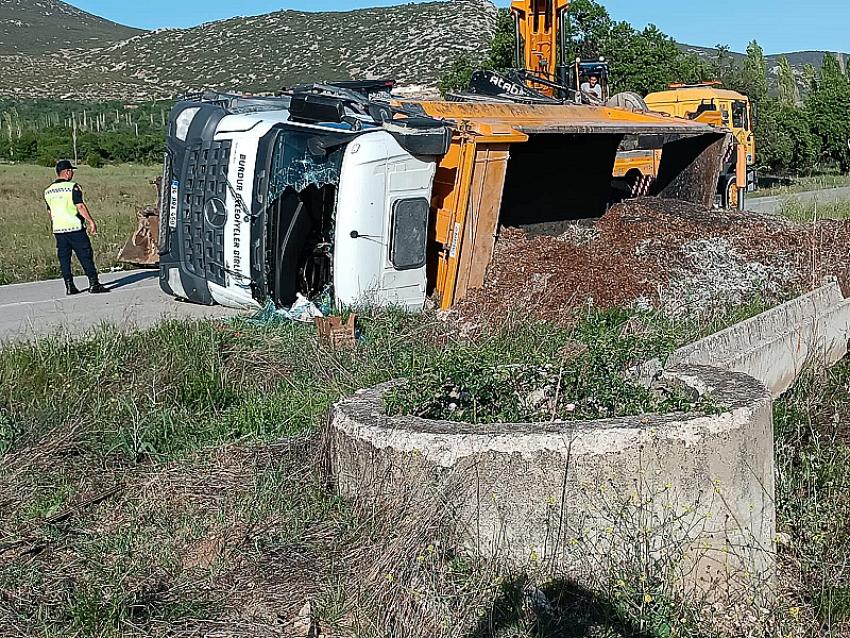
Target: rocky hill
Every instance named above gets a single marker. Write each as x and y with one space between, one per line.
40 26
411 43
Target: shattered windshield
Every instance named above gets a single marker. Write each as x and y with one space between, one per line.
293 166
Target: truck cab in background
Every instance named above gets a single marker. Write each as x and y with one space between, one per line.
712 104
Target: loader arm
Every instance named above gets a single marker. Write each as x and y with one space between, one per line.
540 39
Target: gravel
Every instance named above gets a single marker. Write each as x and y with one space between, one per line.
663 254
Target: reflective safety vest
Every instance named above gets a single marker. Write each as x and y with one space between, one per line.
63 211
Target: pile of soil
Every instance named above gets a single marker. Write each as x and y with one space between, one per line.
663 253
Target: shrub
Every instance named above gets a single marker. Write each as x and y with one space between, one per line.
94 160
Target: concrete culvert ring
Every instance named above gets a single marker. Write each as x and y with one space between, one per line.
691 493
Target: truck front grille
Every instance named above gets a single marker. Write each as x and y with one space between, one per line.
203 239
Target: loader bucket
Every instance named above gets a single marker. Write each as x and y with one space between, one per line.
142 248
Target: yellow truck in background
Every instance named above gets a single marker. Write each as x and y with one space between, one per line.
711 104
707 103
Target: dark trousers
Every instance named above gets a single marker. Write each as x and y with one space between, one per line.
78 242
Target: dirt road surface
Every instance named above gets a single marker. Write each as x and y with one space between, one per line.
772 205
40 308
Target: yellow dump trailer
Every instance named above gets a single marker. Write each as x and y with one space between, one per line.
521 165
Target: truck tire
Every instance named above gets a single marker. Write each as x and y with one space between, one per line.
730 194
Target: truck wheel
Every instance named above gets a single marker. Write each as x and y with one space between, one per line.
730 195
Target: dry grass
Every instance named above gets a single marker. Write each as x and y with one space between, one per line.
27 248
169 483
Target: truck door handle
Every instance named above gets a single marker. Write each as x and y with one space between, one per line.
355 235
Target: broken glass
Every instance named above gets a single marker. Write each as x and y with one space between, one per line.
293 166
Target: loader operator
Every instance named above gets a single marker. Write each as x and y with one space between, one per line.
592 89
70 216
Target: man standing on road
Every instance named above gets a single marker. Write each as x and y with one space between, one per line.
70 216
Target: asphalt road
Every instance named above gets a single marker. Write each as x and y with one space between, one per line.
772 205
36 309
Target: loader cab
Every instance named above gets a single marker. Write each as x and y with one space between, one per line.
580 75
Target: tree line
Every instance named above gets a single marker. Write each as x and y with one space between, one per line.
797 132
42 131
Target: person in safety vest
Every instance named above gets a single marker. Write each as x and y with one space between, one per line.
70 216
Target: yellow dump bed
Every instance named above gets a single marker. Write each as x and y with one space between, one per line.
525 165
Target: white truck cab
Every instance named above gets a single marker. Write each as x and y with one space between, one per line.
268 198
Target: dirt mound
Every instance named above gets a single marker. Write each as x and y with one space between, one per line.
660 253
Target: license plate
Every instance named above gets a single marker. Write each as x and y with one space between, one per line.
172 209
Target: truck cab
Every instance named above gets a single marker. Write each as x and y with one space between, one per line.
271 198
712 104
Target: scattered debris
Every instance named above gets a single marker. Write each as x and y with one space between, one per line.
336 333
142 249
303 310
303 625
714 276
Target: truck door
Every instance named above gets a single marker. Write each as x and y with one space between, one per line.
381 230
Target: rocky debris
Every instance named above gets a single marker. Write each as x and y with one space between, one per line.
665 254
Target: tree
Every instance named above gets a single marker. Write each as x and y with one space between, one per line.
810 76
590 28
640 61
499 58
785 139
749 78
828 109
647 61
789 92
503 48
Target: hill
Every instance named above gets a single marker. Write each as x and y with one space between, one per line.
411 43
101 60
34 27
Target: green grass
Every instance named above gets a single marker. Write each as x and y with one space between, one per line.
813 498
199 425
215 510
808 212
804 184
27 247
518 376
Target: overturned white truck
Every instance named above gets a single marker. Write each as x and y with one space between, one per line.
385 202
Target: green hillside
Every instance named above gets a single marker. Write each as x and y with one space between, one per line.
31 27
412 43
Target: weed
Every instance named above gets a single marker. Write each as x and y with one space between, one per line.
532 372
222 519
814 211
813 459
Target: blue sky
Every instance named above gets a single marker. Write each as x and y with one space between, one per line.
779 25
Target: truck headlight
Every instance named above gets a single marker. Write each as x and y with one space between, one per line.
184 121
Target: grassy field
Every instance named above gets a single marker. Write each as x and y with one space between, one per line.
177 490
27 248
803 184
809 212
